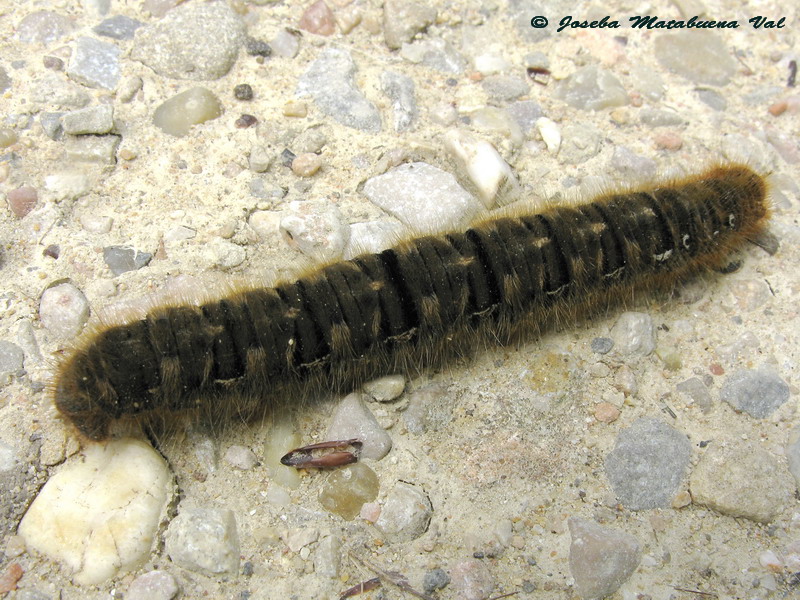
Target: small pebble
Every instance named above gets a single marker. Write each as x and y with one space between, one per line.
318 19
8 137
121 259
741 479
601 559
256 47
490 174
204 540
286 43
353 420
11 357
241 457
306 165
551 134
406 514
43 27
295 108
224 254
95 120
602 345
471 579
153 585
94 64
330 81
592 88
634 334
402 20
400 90
386 388
22 200
243 91
315 229
328 556
648 464
177 115
631 165
759 393
118 27
245 121
435 579
605 412
668 140
423 197
346 490
195 40
696 390
53 62
63 310
96 223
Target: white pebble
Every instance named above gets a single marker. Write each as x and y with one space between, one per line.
315 230
385 389
241 457
551 135
352 419
484 166
64 310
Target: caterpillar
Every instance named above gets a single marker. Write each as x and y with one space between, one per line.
418 304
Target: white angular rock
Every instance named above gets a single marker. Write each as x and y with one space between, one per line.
484 166
99 514
352 419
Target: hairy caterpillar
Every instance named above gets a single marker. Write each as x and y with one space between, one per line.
422 302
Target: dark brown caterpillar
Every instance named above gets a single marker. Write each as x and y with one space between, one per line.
426 300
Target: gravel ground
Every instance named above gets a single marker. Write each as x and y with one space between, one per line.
152 153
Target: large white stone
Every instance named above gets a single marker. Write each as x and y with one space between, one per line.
99 514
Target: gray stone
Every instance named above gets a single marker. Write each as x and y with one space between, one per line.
400 90
656 117
317 230
121 259
224 254
471 579
423 197
118 27
94 149
63 310
579 143
198 41
5 80
241 457
402 20
435 579
602 345
632 165
634 334
204 540
436 54
94 64
11 357
328 556
759 393
601 559
330 81
592 88
712 98
524 113
353 420
55 91
43 27
505 87
51 124
286 44
406 514
793 454
429 408
699 56
153 585
648 464
696 390
741 479
15 481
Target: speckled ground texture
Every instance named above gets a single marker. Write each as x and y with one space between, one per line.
663 445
